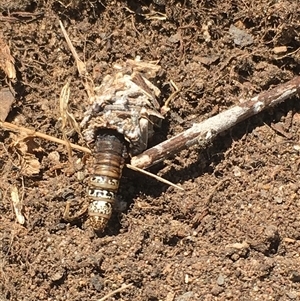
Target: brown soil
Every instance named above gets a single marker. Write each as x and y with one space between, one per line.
234 234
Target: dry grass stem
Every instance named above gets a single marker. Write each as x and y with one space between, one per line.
80 64
155 15
64 115
67 118
158 178
88 82
122 288
33 133
165 108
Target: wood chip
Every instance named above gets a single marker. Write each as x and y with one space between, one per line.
17 205
6 101
280 49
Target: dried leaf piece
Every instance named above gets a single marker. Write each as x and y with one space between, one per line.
30 165
54 157
67 117
149 69
63 104
24 145
7 61
17 205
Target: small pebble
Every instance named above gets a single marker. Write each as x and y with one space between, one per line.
295 276
292 295
217 290
188 296
97 283
58 276
278 199
296 147
240 37
220 280
235 257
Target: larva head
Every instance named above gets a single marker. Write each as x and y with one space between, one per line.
99 214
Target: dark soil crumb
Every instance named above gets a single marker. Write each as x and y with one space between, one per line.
170 245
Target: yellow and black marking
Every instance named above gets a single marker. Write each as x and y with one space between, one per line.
108 161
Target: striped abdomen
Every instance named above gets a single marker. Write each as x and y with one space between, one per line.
108 159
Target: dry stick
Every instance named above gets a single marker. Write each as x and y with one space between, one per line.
203 132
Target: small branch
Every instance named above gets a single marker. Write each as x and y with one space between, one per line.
204 132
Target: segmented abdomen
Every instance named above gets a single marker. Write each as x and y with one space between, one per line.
108 156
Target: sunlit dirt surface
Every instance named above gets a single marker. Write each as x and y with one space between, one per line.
234 233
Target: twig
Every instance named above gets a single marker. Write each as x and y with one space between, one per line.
203 132
120 289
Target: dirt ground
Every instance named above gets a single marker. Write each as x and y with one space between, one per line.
234 233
